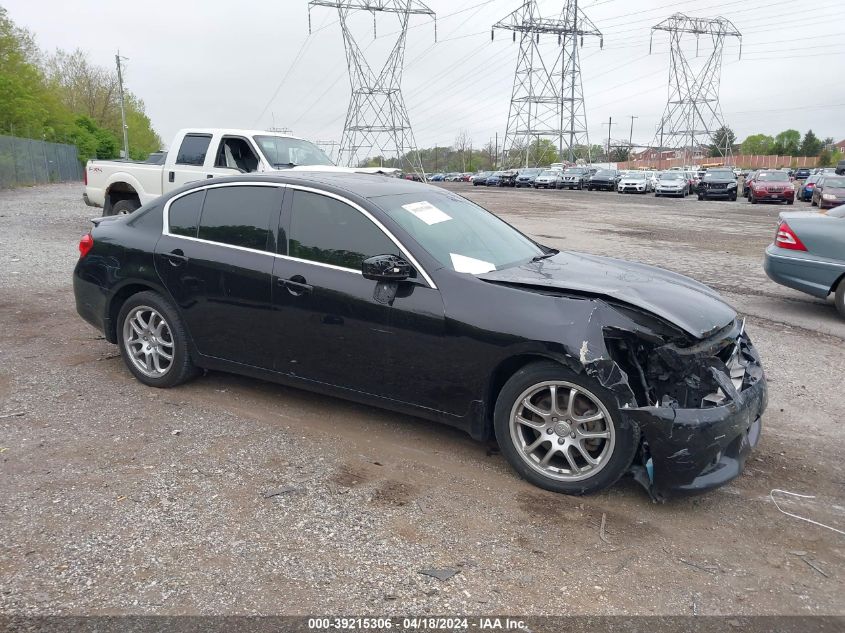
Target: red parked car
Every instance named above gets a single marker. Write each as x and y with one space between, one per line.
771 186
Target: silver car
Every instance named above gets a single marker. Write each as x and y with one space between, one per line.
672 183
808 253
549 179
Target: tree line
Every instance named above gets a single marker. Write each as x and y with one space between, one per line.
786 143
62 97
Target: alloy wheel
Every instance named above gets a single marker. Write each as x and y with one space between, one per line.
148 341
562 431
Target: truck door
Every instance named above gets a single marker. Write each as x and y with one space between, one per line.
189 163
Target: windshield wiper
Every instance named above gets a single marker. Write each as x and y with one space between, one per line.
551 253
285 165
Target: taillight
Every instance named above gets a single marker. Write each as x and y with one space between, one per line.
85 245
786 238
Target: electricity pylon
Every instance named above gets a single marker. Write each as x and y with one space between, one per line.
547 101
377 122
693 112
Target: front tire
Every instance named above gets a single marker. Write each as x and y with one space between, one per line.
562 431
153 341
839 297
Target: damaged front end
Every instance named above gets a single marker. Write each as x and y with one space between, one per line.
697 402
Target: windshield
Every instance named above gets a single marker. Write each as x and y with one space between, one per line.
772 175
529 172
635 176
836 183
284 151
719 175
575 170
548 173
672 175
459 234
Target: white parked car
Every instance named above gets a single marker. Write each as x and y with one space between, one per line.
636 182
121 186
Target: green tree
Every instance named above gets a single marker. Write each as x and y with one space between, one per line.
722 141
22 107
757 144
619 154
787 142
811 145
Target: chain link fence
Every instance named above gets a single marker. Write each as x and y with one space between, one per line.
25 162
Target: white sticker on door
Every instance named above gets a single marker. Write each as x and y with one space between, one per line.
427 212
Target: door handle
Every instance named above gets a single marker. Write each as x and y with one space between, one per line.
296 285
176 257
171 176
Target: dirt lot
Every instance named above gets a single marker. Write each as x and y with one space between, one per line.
117 498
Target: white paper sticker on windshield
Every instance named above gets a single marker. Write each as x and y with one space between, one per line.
464 264
426 212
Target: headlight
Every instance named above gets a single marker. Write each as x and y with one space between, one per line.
828 196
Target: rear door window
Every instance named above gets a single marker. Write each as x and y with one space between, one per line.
326 230
244 216
184 214
193 149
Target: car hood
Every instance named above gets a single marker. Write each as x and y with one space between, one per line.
633 181
672 181
347 170
690 305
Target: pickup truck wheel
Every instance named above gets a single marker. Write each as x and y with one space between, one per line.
839 297
124 207
562 431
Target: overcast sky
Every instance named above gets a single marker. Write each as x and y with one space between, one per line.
219 63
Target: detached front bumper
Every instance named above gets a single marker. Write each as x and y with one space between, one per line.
688 451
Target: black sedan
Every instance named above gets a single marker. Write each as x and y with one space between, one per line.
604 180
411 298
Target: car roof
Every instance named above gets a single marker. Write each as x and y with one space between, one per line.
361 185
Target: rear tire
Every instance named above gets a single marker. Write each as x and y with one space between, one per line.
569 472
839 297
124 207
165 332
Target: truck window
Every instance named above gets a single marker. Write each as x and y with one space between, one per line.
193 149
235 153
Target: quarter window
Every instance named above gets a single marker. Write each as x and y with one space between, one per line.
328 231
193 149
183 217
241 216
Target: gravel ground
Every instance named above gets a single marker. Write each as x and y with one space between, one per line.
116 498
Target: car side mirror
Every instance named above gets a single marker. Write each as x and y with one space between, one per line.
385 268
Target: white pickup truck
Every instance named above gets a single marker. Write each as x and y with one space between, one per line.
120 186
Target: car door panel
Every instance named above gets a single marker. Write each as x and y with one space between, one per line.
328 326
223 290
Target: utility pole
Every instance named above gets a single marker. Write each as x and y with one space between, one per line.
122 108
609 125
547 101
496 162
631 136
